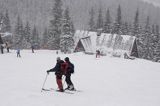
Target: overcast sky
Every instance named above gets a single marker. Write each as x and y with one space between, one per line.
156 2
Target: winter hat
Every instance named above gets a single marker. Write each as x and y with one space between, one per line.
58 58
66 59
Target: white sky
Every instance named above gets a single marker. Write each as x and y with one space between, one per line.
155 2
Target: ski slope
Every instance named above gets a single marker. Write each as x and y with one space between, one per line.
103 82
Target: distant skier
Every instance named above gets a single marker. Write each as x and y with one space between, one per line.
69 71
2 49
58 73
32 47
57 52
98 54
18 53
7 47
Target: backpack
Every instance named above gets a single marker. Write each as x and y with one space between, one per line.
71 68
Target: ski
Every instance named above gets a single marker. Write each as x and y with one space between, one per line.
75 90
51 89
46 89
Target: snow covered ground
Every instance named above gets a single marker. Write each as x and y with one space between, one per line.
102 82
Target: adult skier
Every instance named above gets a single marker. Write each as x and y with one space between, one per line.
18 53
32 47
2 48
69 71
98 54
7 46
58 73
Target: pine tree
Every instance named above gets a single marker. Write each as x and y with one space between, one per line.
136 25
125 29
91 20
1 17
22 44
148 54
153 41
100 20
45 38
157 44
118 22
55 26
2 22
107 25
157 52
140 42
67 42
157 32
153 36
27 31
72 28
18 33
7 25
35 38
139 33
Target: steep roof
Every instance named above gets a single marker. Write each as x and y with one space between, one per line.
106 43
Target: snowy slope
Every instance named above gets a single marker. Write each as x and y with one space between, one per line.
103 82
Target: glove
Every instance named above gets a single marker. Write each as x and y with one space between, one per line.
47 71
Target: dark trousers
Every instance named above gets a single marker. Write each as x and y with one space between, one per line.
2 50
18 55
32 50
8 49
68 80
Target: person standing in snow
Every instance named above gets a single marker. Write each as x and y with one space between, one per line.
58 73
2 48
18 53
68 72
32 47
98 54
7 46
57 52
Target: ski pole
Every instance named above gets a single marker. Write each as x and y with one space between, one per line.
44 82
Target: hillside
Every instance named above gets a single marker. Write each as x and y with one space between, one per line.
105 81
39 11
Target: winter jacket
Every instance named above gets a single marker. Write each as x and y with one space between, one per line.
57 68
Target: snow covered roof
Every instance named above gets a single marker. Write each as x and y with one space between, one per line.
105 42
